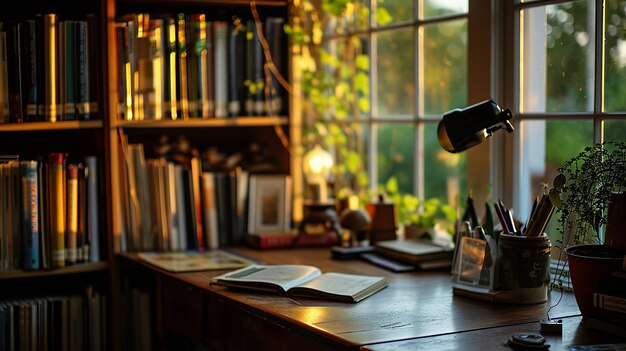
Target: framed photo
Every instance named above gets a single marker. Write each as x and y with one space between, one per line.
269 203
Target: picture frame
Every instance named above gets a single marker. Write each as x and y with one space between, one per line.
269 203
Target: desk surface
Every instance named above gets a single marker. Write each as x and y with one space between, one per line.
414 305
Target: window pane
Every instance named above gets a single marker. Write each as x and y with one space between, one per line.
395 88
615 56
615 130
445 66
346 81
434 8
445 175
557 58
546 146
393 11
395 155
349 144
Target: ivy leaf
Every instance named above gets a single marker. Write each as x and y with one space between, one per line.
392 185
362 62
559 180
555 198
382 16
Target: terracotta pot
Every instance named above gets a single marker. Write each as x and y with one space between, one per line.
587 265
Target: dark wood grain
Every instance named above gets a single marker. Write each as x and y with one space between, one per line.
414 305
574 333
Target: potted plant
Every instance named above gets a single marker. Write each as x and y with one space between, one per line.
419 217
590 187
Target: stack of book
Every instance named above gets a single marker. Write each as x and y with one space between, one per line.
609 302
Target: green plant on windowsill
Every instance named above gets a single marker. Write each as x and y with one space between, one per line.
586 186
414 212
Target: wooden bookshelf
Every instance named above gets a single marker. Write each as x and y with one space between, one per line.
204 122
75 269
61 125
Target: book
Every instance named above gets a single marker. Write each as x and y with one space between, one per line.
415 251
610 302
303 281
190 261
266 241
56 208
30 214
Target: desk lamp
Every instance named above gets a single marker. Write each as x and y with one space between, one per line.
460 129
320 215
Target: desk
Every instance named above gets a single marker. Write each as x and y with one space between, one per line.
415 306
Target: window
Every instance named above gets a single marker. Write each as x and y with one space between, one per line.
569 90
417 71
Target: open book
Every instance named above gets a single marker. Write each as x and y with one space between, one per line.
302 280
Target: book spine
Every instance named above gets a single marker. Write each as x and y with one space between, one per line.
93 229
181 206
275 36
28 72
56 208
182 66
210 69
14 89
68 78
210 210
172 83
236 66
92 64
44 234
83 105
30 214
196 169
82 246
71 213
220 32
51 109
609 302
4 80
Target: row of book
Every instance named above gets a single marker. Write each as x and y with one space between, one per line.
69 322
48 212
609 303
187 66
48 69
172 206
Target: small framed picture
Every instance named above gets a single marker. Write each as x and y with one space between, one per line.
269 203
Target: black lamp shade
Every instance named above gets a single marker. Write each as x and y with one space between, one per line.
460 129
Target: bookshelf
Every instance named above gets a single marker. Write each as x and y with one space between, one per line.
80 112
55 259
180 93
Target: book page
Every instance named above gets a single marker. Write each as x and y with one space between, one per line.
341 286
262 276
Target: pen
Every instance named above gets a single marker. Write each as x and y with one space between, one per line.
505 228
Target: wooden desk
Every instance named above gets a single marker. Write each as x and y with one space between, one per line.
415 305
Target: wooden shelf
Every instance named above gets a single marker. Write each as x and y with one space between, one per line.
204 122
205 2
78 268
61 125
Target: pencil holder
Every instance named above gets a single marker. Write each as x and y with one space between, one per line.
523 267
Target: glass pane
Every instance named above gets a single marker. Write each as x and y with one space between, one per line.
344 16
349 144
615 56
557 58
393 11
546 146
615 130
345 82
445 66
395 155
445 175
432 8
396 67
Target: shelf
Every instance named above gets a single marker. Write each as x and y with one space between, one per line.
204 122
61 125
204 2
79 268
